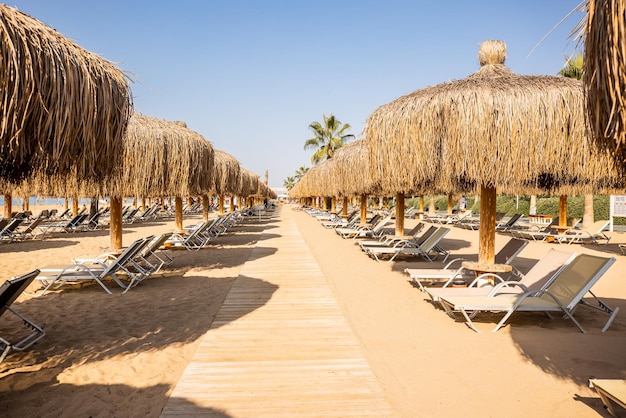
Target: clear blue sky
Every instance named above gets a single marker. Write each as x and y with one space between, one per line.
250 76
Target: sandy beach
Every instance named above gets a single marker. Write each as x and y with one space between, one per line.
122 355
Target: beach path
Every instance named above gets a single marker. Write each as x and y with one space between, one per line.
280 344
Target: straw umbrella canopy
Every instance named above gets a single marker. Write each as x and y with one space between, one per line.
493 129
604 74
163 158
64 109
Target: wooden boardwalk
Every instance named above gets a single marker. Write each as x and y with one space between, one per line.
280 345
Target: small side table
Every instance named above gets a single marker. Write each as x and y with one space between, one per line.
561 229
486 268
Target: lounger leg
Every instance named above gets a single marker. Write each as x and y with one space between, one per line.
7 348
468 320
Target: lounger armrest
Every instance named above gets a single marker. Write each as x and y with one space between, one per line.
507 283
483 278
447 266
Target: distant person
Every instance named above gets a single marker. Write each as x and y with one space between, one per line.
462 203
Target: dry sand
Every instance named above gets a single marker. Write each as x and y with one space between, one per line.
121 355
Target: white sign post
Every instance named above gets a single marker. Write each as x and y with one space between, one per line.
617 208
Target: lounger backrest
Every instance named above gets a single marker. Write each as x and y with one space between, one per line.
129 253
200 229
12 226
72 221
577 278
434 239
513 219
156 243
381 224
375 220
548 228
416 229
31 226
510 250
546 269
597 227
12 288
427 234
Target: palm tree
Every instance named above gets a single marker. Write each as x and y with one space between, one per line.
329 136
574 69
289 182
301 172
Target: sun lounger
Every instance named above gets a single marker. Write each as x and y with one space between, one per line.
390 240
429 249
593 234
508 225
364 231
534 232
30 231
194 240
9 292
7 234
537 278
351 227
610 391
563 295
339 222
57 276
449 273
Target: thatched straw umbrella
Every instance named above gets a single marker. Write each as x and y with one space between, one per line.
163 158
353 175
227 177
604 74
493 129
64 109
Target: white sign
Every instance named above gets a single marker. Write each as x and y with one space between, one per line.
618 206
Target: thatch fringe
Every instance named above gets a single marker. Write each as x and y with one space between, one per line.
605 73
63 109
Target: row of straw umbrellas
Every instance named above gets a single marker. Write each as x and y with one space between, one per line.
67 128
492 132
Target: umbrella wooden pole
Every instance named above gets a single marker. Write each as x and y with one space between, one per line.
400 214
431 205
115 223
8 206
563 210
487 228
588 215
143 204
344 208
232 204
450 204
364 209
25 204
221 199
178 214
333 205
421 207
205 207
65 204
75 205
